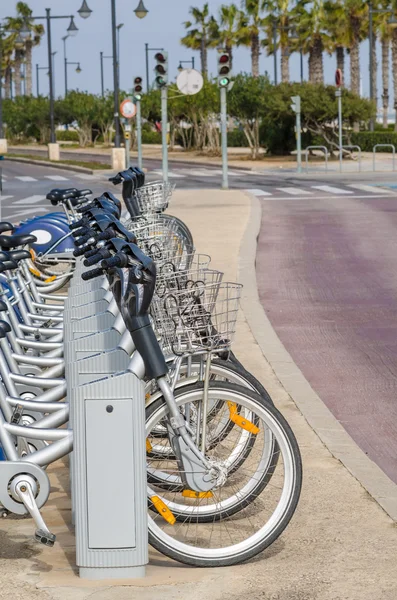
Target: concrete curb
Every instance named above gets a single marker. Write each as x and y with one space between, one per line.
56 165
321 420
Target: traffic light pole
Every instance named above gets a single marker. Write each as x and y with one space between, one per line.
338 94
298 142
139 132
225 182
164 128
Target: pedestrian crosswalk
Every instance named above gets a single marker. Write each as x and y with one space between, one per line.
312 191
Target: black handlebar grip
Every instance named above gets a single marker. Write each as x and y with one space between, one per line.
80 251
80 223
93 259
83 240
81 231
115 261
89 253
84 209
92 274
106 235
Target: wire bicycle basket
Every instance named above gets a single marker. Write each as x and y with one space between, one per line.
154 197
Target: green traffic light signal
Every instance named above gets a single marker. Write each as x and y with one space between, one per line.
224 82
138 96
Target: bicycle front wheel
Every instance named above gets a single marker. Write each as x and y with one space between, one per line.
253 504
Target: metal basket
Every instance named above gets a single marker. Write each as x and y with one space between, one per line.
154 197
172 278
200 318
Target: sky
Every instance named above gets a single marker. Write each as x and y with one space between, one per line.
162 28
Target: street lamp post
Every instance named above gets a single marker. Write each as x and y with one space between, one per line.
72 30
147 50
65 61
119 26
101 57
186 62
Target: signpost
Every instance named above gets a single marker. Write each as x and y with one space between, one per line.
338 94
296 107
128 110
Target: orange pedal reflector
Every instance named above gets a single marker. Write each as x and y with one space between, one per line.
49 279
163 510
149 446
193 494
241 421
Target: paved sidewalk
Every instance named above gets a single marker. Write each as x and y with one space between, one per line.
340 545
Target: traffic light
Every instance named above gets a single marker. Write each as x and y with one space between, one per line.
138 88
296 106
161 69
224 68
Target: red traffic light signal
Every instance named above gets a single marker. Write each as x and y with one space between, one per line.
160 57
225 58
224 68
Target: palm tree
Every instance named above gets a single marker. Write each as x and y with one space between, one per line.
23 53
357 29
250 31
314 38
6 67
337 29
280 20
198 36
226 33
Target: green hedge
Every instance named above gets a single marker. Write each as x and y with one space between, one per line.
237 139
67 136
151 137
368 139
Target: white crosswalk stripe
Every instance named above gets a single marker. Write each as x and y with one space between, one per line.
26 212
30 200
85 176
159 172
259 192
25 178
56 177
331 189
2 198
293 191
371 188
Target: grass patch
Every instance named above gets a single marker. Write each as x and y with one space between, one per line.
95 166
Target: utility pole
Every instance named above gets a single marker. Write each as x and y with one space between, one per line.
115 78
296 107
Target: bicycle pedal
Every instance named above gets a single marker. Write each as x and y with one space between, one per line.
17 414
45 537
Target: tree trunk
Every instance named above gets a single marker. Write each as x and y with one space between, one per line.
340 60
355 59
229 50
394 69
28 65
7 83
316 66
385 80
285 64
374 69
255 54
17 72
203 52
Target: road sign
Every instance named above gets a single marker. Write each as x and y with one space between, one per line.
128 108
189 82
338 78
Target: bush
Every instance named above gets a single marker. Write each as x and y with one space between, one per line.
237 139
368 139
67 136
151 137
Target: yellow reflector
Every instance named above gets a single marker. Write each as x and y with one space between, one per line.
147 396
241 421
32 253
163 510
35 271
50 279
192 494
149 446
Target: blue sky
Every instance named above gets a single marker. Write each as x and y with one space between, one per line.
163 27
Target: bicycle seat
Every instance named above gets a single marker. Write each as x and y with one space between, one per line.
6 226
3 306
4 328
18 255
60 195
13 241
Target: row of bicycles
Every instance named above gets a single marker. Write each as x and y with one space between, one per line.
223 467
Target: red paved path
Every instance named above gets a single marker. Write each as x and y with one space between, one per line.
327 278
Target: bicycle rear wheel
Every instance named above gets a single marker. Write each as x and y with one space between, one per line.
246 513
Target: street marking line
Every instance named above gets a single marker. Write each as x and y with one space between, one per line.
294 191
5 197
56 177
258 192
85 176
370 188
170 174
26 212
30 200
313 199
331 189
25 178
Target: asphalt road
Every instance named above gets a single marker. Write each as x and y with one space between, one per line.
327 278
